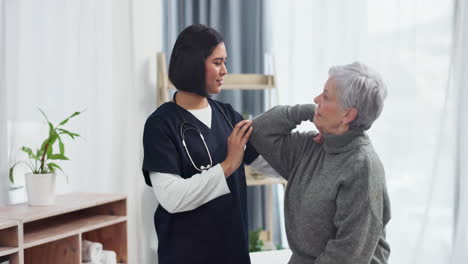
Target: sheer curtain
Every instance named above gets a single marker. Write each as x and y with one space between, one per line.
3 130
96 56
460 95
410 43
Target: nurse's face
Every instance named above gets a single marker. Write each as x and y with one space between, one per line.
215 69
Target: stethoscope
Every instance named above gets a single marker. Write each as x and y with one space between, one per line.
186 126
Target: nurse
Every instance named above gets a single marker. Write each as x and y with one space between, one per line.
195 149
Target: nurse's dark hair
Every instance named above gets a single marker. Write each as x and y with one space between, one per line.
187 65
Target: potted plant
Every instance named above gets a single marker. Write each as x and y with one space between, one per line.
40 182
255 243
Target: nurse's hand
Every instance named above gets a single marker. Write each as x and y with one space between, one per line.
236 145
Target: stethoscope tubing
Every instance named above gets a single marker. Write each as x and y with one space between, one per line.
190 127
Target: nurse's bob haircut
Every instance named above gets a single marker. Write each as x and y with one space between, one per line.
187 65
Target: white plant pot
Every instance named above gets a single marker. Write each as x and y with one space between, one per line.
40 189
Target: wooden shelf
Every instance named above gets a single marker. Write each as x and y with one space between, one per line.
4 251
248 82
254 178
231 81
13 258
243 82
264 180
8 238
66 250
6 223
113 237
45 232
53 234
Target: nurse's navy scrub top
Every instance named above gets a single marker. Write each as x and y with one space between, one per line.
216 232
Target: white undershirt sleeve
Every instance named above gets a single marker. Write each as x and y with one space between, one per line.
176 194
262 166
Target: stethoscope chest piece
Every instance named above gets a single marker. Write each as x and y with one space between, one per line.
182 135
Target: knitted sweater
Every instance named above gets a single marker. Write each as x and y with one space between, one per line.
336 202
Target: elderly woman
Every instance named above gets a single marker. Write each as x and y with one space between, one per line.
336 202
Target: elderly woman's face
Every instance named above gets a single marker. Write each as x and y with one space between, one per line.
329 116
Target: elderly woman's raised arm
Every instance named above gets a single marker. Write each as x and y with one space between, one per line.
273 139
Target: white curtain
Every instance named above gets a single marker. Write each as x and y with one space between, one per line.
98 56
460 94
3 130
410 43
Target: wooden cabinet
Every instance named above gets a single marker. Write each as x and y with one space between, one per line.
9 241
53 234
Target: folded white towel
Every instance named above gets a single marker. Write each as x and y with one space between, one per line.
91 251
108 257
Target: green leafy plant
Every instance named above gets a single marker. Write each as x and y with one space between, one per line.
43 160
255 243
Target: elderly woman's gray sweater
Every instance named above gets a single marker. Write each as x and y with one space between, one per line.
336 202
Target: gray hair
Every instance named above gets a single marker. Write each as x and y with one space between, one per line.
362 88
